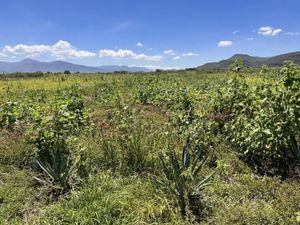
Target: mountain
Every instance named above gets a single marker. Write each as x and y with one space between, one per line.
252 61
30 65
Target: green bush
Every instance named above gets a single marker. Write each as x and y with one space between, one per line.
263 122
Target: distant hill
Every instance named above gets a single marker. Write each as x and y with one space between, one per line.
30 65
252 61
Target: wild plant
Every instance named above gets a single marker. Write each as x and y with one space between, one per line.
262 122
182 175
10 114
53 140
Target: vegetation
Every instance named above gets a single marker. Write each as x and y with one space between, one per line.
180 147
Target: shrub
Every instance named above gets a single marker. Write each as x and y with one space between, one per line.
263 122
10 114
53 140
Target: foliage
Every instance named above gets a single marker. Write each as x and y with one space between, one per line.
97 166
54 136
67 72
263 122
10 114
181 176
111 199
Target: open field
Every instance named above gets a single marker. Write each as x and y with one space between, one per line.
185 147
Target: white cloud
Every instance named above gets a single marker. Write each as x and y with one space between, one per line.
189 54
235 32
116 54
125 53
292 33
155 67
169 52
2 55
60 50
269 31
27 50
222 44
139 44
249 39
177 57
63 49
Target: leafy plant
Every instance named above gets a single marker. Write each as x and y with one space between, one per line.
10 114
54 137
263 122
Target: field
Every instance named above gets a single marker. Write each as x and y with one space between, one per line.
179 147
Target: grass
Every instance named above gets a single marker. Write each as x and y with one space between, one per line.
121 151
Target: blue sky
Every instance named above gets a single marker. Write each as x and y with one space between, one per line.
154 33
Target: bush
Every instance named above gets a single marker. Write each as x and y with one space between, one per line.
53 140
263 122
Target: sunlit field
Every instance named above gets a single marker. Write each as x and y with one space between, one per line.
177 147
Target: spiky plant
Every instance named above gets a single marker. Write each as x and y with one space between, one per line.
181 176
57 172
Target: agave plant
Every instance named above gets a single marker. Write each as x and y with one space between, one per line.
181 176
58 171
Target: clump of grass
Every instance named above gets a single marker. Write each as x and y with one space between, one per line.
111 199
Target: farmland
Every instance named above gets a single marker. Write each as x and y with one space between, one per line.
178 147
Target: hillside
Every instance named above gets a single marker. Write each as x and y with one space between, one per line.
30 65
252 61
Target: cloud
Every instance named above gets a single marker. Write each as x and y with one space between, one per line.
63 49
125 53
177 58
249 39
27 50
116 54
139 44
269 31
60 50
235 32
155 67
169 52
2 55
223 44
292 33
189 54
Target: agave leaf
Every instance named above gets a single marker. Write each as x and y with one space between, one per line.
46 169
195 172
204 182
185 155
175 163
196 160
41 180
295 148
165 168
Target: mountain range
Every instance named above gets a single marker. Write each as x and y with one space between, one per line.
30 65
253 61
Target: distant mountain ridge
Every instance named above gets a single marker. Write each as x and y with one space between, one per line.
30 65
253 61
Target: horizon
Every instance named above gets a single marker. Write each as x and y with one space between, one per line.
150 67
168 34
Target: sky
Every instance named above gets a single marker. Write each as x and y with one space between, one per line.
152 33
